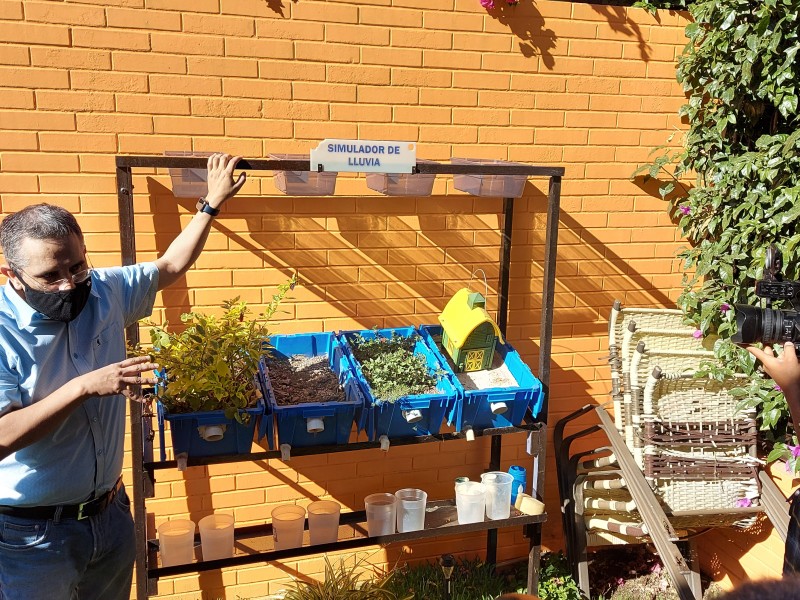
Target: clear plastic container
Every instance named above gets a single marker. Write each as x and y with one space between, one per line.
403 184
216 536
176 542
381 514
470 502
498 186
411 503
288 523
323 521
303 183
188 183
498 494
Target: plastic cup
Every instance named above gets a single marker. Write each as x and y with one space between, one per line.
176 542
410 509
470 502
216 536
498 494
323 521
288 523
381 513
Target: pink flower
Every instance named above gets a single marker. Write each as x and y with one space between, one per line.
697 334
487 4
777 388
685 209
795 450
744 503
724 307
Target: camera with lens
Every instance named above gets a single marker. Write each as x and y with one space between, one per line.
770 325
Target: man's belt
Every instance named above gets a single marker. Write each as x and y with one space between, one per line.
90 508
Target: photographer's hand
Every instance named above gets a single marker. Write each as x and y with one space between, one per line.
785 371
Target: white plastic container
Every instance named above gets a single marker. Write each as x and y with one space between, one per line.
498 494
288 524
411 504
188 183
216 536
303 183
381 513
323 521
498 186
403 184
176 542
470 502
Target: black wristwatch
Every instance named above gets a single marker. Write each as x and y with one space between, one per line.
203 206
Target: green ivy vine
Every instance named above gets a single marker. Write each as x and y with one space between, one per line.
742 150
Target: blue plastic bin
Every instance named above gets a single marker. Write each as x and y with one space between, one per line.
387 418
337 416
472 409
237 439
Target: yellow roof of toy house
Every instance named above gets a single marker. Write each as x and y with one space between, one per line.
459 320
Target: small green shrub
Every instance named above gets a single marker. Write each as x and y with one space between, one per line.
391 367
555 579
212 363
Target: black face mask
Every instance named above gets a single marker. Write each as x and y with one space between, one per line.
63 305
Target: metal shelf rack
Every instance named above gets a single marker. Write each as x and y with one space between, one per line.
438 523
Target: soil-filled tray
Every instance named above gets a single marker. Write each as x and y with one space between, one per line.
310 389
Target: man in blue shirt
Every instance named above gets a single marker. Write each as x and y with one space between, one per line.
66 530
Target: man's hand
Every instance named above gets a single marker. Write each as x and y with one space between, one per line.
119 378
221 185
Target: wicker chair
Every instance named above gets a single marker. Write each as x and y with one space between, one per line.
680 435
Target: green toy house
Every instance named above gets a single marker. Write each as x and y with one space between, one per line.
469 334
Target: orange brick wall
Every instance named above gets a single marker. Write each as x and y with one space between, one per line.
588 87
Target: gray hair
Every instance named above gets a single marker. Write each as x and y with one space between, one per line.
39 222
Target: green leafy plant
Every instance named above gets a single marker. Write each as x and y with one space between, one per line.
345 583
740 74
555 580
391 367
211 364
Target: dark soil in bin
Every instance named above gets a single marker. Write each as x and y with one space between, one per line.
302 379
498 376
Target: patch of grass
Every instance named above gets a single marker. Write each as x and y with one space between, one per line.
472 579
345 583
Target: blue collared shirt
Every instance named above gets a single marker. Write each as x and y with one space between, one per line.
38 355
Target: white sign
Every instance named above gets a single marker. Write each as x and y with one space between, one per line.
364 156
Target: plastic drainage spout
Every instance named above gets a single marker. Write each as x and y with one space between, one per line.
412 415
181 460
315 425
498 408
469 433
212 433
384 440
286 452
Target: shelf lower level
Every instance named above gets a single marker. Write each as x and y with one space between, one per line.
254 544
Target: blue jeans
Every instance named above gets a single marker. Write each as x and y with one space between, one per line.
68 559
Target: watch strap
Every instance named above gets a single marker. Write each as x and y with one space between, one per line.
203 206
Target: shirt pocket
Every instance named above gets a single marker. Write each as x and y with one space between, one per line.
103 347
